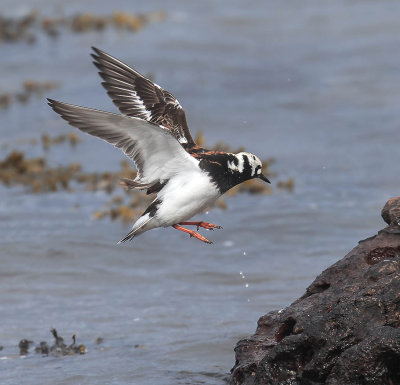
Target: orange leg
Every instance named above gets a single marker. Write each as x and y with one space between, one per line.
206 225
192 233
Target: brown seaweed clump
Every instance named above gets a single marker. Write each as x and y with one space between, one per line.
24 346
117 208
29 88
35 173
286 185
59 348
18 29
39 177
25 28
72 138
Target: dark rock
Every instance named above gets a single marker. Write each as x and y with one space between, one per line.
391 212
344 330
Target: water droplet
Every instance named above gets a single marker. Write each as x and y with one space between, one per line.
244 253
246 285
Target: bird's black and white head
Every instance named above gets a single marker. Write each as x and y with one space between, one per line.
244 166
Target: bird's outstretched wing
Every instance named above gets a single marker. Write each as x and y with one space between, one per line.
139 97
157 154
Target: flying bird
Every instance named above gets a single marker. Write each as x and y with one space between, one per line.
153 132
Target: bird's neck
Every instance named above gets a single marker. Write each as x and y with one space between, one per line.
223 170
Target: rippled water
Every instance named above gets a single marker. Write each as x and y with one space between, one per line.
315 85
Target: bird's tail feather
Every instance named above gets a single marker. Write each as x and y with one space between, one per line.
128 237
140 223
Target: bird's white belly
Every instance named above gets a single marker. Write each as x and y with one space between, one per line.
184 196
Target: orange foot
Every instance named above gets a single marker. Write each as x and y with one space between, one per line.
206 225
192 233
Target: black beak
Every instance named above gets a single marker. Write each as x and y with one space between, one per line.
264 178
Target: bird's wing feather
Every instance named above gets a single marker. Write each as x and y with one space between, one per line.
157 154
136 96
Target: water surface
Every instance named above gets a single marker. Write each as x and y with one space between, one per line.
315 85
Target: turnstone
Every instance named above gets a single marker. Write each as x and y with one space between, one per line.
153 132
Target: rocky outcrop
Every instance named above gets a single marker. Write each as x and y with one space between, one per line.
345 330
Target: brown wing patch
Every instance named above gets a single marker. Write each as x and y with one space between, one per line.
202 153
